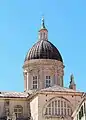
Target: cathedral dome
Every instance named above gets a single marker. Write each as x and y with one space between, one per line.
43 49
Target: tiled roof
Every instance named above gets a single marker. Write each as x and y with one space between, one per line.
57 88
54 88
14 94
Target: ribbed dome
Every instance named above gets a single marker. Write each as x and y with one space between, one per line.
43 49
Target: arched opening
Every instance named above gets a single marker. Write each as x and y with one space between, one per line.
58 107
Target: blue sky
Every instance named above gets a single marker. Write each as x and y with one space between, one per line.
19 24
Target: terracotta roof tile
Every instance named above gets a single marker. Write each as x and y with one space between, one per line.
14 94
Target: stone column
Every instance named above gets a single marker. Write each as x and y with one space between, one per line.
52 77
56 77
27 79
42 78
40 83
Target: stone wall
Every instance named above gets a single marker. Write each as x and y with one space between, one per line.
34 108
38 104
12 103
43 68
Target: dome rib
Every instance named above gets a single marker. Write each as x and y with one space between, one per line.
43 49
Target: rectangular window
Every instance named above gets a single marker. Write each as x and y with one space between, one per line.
35 84
61 103
68 111
82 111
61 111
52 108
64 108
58 111
49 111
64 104
61 107
55 107
84 108
48 81
64 111
58 103
58 107
77 116
46 111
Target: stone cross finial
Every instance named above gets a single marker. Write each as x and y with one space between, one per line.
43 32
42 24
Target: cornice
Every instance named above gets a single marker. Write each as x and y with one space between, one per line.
57 93
39 62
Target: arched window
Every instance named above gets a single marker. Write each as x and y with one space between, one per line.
18 110
58 107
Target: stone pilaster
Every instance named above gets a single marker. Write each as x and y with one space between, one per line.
43 68
56 77
27 80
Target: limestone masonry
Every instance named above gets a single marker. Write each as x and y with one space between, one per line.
44 96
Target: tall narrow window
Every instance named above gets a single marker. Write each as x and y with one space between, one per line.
35 84
52 107
59 107
84 108
82 113
77 116
49 108
55 107
64 108
68 110
48 81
